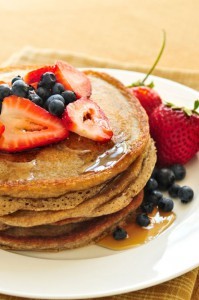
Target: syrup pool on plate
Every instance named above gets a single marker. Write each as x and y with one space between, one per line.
138 235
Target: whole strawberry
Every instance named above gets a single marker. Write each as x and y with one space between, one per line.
176 133
148 98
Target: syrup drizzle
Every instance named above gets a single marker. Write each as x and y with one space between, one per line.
138 235
108 158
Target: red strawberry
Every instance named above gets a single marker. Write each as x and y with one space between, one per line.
148 98
176 133
2 128
34 76
85 118
27 125
72 79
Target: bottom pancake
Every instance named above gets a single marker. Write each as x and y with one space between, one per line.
68 236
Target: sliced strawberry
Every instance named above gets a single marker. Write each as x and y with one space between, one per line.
85 118
35 75
2 128
27 125
72 79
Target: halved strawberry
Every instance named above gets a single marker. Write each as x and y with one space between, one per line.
85 118
35 75
28 126
72 79
2 128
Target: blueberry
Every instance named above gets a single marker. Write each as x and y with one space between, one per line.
31 88
53 98
58 88
5 91
36 99
165 178
151 185
20 88
119 234
179 171
166 204
43 92
69 97
147 207
142 220
154 197
154 173
185 194
16 78
56 107
48 79
173 190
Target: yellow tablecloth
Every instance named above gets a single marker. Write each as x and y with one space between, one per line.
123 34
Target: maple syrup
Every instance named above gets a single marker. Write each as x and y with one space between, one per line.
138 235
109 158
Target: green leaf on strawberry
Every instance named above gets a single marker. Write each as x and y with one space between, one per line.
196 106
186 110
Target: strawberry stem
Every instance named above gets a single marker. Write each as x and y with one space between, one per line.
142 82
157 59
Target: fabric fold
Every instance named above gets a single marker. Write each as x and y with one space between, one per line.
36 56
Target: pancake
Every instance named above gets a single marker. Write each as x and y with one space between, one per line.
79 163
70 236
94 207
72 193
70 200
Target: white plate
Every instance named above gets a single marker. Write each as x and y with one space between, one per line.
93 271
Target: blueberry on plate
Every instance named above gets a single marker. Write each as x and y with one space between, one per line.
57 88
20 88
151 185
147 207
166 204
179 171
173 190
69 97
5 91
48 79
119 234
142 220
154 197
154 173
165 178
185 194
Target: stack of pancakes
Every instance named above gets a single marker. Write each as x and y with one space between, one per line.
73 193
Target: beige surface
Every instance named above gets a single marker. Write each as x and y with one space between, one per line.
127 35
127 31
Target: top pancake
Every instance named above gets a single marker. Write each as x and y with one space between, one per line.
79 163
